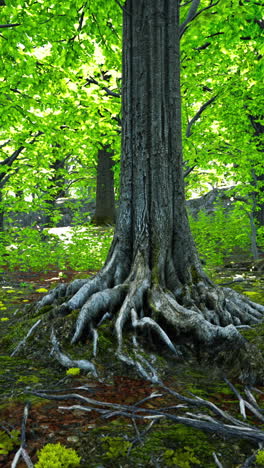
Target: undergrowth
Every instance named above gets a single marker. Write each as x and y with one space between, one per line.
85 247
217 235
79 248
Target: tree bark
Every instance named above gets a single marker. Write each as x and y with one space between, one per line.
105 193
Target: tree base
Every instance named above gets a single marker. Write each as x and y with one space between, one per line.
201 318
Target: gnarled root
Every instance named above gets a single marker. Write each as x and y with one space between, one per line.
201 313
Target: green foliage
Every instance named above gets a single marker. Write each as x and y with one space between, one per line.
115 447
181 458
260 457
217 235
80 249
57 456
55 49
8 441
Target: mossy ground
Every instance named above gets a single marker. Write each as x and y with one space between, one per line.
101 442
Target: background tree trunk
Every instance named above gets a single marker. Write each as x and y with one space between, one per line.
105 193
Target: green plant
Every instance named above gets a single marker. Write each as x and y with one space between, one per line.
260 457
57 456
115 447
181 458
217 235
8 441
78 248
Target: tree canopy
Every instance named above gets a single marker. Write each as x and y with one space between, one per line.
61 74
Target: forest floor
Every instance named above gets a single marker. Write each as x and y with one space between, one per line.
117 441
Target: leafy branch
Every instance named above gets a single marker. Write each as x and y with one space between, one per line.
104 88
193 13
198 115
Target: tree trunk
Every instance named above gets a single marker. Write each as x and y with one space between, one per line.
153 277
105 194
152 206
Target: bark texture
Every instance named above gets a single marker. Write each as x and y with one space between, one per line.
105 194
152 279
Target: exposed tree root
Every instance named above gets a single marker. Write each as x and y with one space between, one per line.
197 314
65 361
192 411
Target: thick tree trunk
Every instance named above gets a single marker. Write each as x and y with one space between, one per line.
105 193
153 216
153 277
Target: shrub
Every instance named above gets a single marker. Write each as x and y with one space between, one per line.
57 456
260 457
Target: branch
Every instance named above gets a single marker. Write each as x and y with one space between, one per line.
107 90
9 25
22 453
192 14
188 171
123 8
186 3
198 114
4 178
237 428
4 144
10 159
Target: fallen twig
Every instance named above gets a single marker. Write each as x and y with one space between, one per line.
22 451
218 463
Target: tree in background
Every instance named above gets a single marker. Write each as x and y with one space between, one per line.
105 212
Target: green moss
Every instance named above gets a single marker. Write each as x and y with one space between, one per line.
115 447
28 379
170 443
73 371
181 458
44 309
255 335
106 339
255 296
57 456
196 277
16 332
